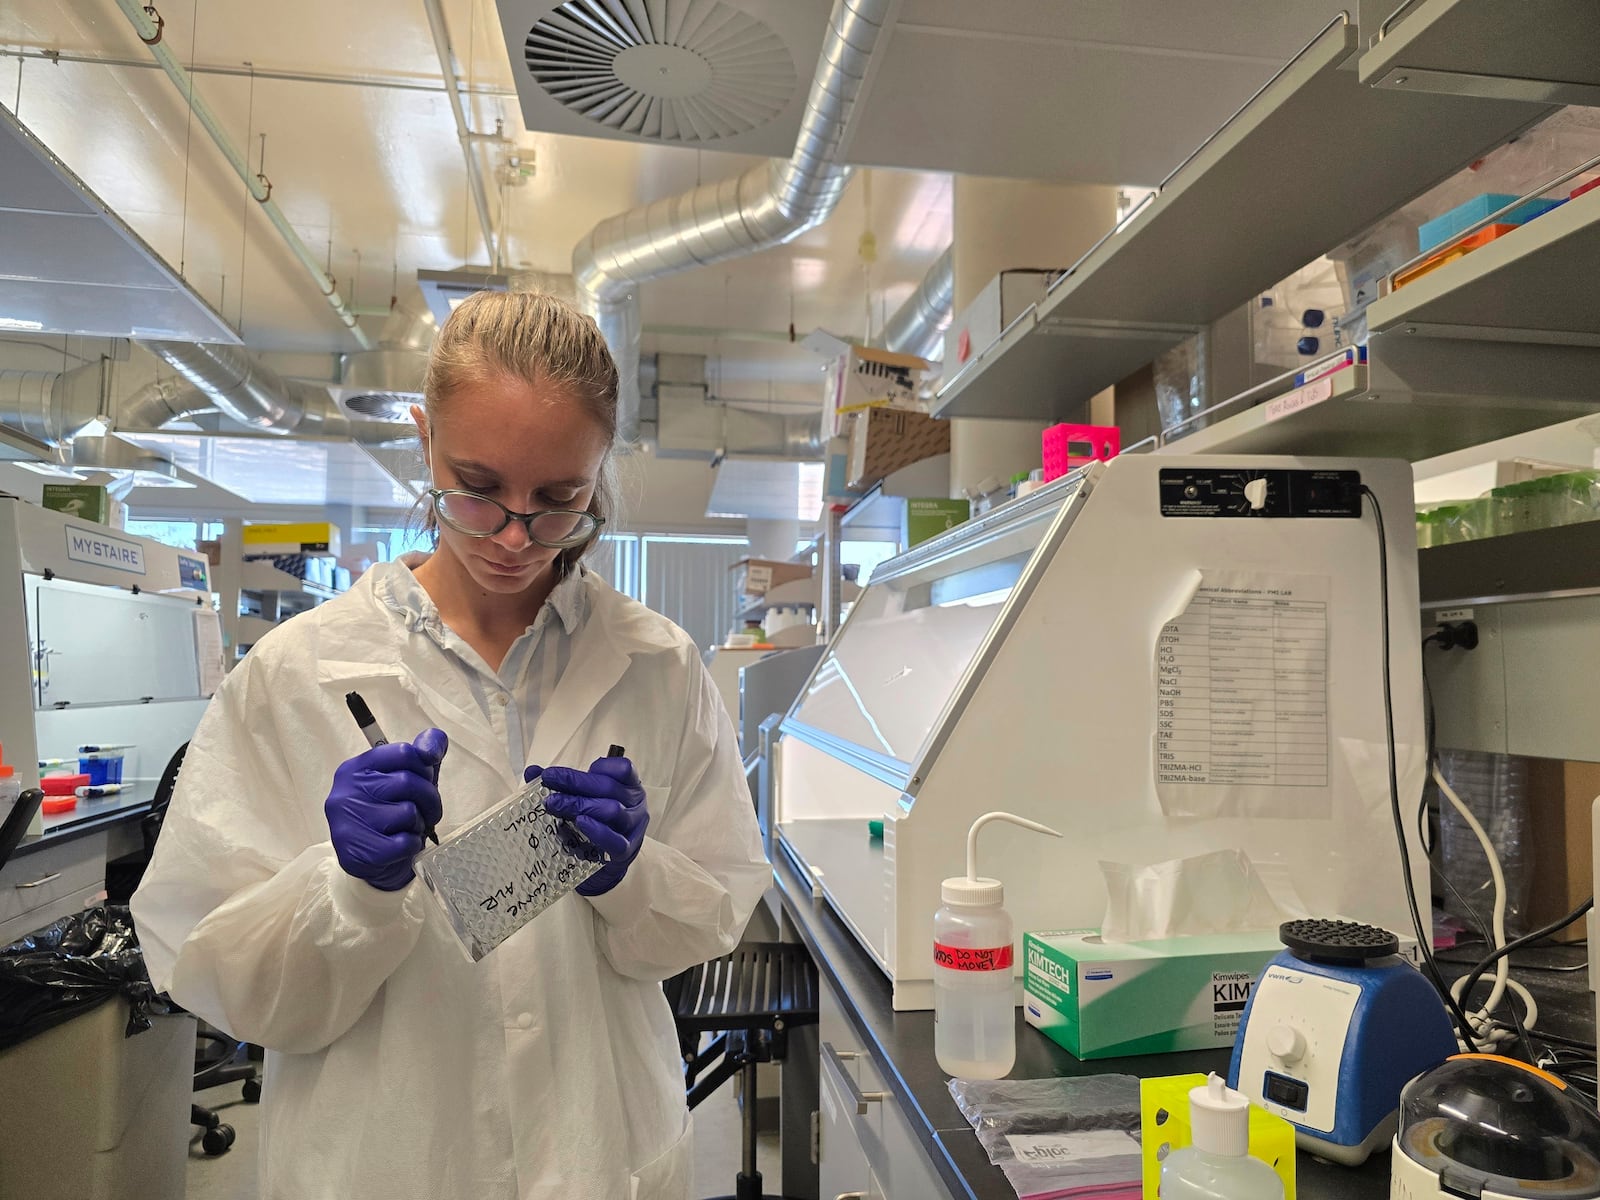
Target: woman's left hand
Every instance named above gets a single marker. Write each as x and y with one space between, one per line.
607 805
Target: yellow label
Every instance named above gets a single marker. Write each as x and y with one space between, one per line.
305 533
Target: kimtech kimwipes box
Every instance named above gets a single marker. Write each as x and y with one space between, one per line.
1107 999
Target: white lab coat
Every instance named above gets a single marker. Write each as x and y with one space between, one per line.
398 1069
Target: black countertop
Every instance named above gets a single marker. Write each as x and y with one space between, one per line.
903 1043
90 816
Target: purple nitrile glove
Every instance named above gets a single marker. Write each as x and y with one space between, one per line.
606 804
381 803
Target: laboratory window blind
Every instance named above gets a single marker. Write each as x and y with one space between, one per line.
686 580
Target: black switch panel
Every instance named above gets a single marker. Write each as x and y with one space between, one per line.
1235 492
1280 1089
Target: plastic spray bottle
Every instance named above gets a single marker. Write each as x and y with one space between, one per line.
974 999
1217 1164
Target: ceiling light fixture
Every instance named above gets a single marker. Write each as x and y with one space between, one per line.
20 324
443 290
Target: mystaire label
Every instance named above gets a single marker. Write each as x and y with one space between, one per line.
88 546
973 958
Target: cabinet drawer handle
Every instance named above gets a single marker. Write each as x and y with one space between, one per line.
22 887
852 1196
834 1059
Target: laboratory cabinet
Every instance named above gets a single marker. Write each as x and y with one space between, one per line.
54 882
866 1144
1165 658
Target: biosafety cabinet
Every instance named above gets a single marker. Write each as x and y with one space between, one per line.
1162 657
105 639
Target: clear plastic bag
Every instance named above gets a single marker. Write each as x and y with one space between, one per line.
1059 1137
497 873
1180 381
1495 788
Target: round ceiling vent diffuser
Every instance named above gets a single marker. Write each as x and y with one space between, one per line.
684 72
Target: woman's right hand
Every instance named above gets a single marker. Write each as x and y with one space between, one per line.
382 802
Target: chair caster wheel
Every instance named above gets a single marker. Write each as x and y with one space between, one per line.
218 1141
252 1091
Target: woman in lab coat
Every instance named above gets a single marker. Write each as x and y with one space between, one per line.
281 905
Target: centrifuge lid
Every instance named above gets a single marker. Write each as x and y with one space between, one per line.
1488 1124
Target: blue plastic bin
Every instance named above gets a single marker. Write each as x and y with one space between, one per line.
101 767
1441 229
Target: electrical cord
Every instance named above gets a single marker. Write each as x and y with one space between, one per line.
1483 1019
1484 1022
1528 939
1463 906
1424 934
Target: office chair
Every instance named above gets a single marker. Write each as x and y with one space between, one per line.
750 999
216 1054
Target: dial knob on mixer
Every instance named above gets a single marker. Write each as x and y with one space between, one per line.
1286 1043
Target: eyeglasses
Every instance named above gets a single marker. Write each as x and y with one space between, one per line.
480 517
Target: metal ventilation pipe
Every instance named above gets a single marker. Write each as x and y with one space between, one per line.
917 325
766 206
258 397
161 402
51 406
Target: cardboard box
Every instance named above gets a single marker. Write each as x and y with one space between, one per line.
86 501
307 537
981 323
865 378
1561 819
885 439
758 576
928 518
1104 1000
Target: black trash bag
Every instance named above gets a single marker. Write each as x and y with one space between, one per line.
71 967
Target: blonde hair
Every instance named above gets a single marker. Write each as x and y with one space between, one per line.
544 342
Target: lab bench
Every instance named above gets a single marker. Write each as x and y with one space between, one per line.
58 872
914 1143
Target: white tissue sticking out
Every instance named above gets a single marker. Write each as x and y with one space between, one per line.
1219 892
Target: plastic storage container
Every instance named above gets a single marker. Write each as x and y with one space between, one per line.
1217 1164
1067 446
1457 249
1442 228
1565 499
62 785
974 993
102 764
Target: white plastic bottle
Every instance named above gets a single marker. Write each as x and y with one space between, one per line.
1217 1165
974 998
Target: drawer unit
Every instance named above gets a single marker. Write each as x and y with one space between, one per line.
38 918
43 880
868 1144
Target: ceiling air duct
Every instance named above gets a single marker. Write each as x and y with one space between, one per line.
768 205
51 407
256 396
917 326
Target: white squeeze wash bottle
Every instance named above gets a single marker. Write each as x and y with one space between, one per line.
974 1000
1217 1164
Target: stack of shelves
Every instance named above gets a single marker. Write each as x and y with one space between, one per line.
268 597
1504 340
803 593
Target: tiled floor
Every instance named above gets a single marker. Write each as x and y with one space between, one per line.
233 1176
